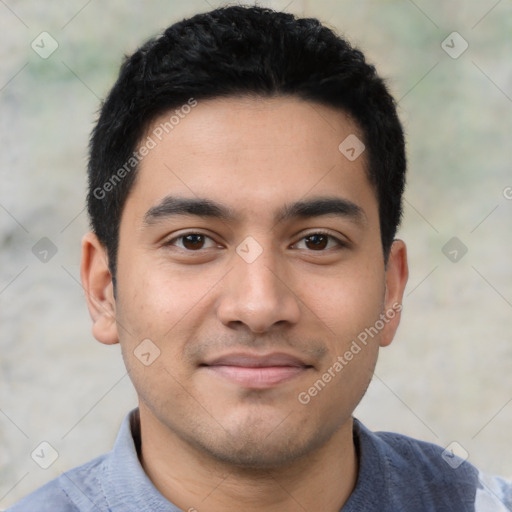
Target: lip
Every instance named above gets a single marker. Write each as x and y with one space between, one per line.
257 371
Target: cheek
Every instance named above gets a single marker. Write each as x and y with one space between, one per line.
154 316
167 307
348 302
340 385
351 306
155 296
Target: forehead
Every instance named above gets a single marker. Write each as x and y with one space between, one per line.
252 154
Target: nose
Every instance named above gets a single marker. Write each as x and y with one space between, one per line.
258 295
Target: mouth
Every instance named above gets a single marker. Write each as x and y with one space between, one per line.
257 371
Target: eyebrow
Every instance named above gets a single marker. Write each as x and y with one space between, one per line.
318 207
172 206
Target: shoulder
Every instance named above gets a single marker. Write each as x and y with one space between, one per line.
405 453
76 490
429 467
409 474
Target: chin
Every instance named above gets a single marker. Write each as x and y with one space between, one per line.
254 445
255 455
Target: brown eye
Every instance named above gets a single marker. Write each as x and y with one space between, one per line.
320 242
316 241
193 242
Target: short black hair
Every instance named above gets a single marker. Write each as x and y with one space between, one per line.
239 51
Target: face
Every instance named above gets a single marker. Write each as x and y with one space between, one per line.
250 262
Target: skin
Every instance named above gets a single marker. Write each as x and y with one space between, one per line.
209 443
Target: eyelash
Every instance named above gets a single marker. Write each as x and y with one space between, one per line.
341 244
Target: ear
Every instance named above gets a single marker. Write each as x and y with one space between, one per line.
397 273
99 290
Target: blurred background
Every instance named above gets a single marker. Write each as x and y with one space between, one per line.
448 375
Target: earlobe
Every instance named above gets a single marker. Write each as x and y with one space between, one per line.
98 287
397 273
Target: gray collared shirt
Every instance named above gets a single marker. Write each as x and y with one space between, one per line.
396 473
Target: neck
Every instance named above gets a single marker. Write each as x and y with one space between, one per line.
193 481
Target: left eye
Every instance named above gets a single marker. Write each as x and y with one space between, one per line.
320 242
192 241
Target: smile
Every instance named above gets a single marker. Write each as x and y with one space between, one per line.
257 372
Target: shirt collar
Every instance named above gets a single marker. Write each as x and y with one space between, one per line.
126 486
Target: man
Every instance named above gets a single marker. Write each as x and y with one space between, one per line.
245 183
